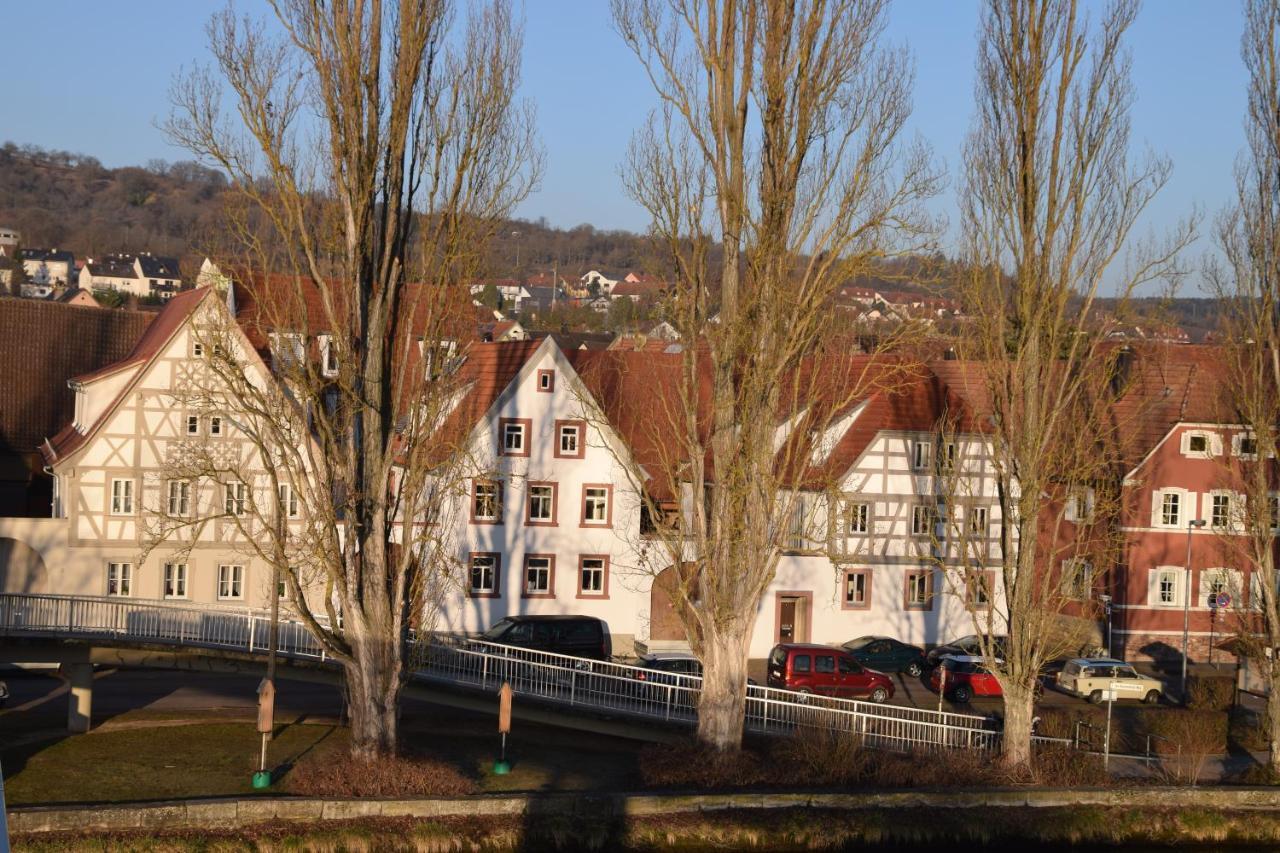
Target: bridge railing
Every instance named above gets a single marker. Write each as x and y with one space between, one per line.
600 686
177 622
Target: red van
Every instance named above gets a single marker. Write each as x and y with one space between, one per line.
825 671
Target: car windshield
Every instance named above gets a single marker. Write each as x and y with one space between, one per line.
970 640
860 643
496 632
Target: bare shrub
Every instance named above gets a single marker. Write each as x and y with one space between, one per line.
689 764
1211 693
339 774
822 756
1067 767
1188 739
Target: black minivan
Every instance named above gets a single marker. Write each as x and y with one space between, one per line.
578 636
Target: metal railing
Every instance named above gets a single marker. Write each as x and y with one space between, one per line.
603 687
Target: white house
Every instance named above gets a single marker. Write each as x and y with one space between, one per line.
48 266
144 274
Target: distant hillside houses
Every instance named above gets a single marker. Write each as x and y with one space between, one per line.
143 274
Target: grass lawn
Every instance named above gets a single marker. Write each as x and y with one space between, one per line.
218 759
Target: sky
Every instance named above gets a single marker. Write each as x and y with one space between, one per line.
591 93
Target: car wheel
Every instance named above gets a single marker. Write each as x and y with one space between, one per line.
961 695
879 695
914 669
1096 697
1152 697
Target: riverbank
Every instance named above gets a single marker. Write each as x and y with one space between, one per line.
1238 817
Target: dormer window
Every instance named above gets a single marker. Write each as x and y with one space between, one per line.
1244 446
1200 444
286 349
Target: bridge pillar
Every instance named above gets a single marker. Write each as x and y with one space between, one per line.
79 696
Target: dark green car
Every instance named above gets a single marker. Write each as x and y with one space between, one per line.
887 655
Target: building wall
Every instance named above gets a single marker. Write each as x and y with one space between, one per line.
626 606
1146 626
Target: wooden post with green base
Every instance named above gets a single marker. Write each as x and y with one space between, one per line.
502 766
266 721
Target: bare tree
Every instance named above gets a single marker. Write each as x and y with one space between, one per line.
1049 200
377 147
777 151
1248 287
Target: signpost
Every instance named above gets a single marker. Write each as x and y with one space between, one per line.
266 722
1106 741
502 766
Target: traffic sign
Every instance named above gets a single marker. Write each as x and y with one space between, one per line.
1220 601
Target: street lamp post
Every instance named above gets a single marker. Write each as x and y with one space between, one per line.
1186 607
1106 606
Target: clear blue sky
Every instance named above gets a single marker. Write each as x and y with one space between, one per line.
105 93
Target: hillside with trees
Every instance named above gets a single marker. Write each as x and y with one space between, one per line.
71 201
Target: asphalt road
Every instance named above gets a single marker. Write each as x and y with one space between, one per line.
117 691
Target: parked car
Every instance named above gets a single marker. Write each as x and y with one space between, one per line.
825 671
887 655
656 665
962 677
968 646
1091 678
577 636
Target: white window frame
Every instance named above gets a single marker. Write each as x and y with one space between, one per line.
549 497
1210 509
924 580
289 500
927 512
176 578
179 498
864 578
583 571
858 518
215 426
1231 584
1156 583
1080 503
197 349
1077 577
494 500
920 454
977 521
119 578
476 562
1212 444
509 429
565 430
231 582
1237 444
1186 507
328 357
192 426
122 497
235 498
592 502
542 571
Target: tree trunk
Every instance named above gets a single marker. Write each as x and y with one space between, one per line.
1019 710
723 705
373 693
1273 714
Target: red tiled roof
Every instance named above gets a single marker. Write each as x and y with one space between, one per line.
42 345
1166 384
